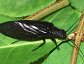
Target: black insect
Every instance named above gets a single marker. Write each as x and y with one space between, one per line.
32 30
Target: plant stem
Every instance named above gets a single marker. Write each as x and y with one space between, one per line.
51 8
80 31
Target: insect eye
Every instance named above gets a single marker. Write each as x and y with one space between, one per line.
62 34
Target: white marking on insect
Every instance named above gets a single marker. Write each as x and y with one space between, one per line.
24 25
29 27
34 27
37 28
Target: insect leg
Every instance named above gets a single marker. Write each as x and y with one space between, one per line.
54 41
58 46
15 41
40 45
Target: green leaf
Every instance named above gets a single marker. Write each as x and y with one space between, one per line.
4 18
19 8
21 52
78 4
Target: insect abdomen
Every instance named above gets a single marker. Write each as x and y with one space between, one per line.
25 30
30 30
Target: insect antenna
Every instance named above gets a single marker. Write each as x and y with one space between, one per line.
82 56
